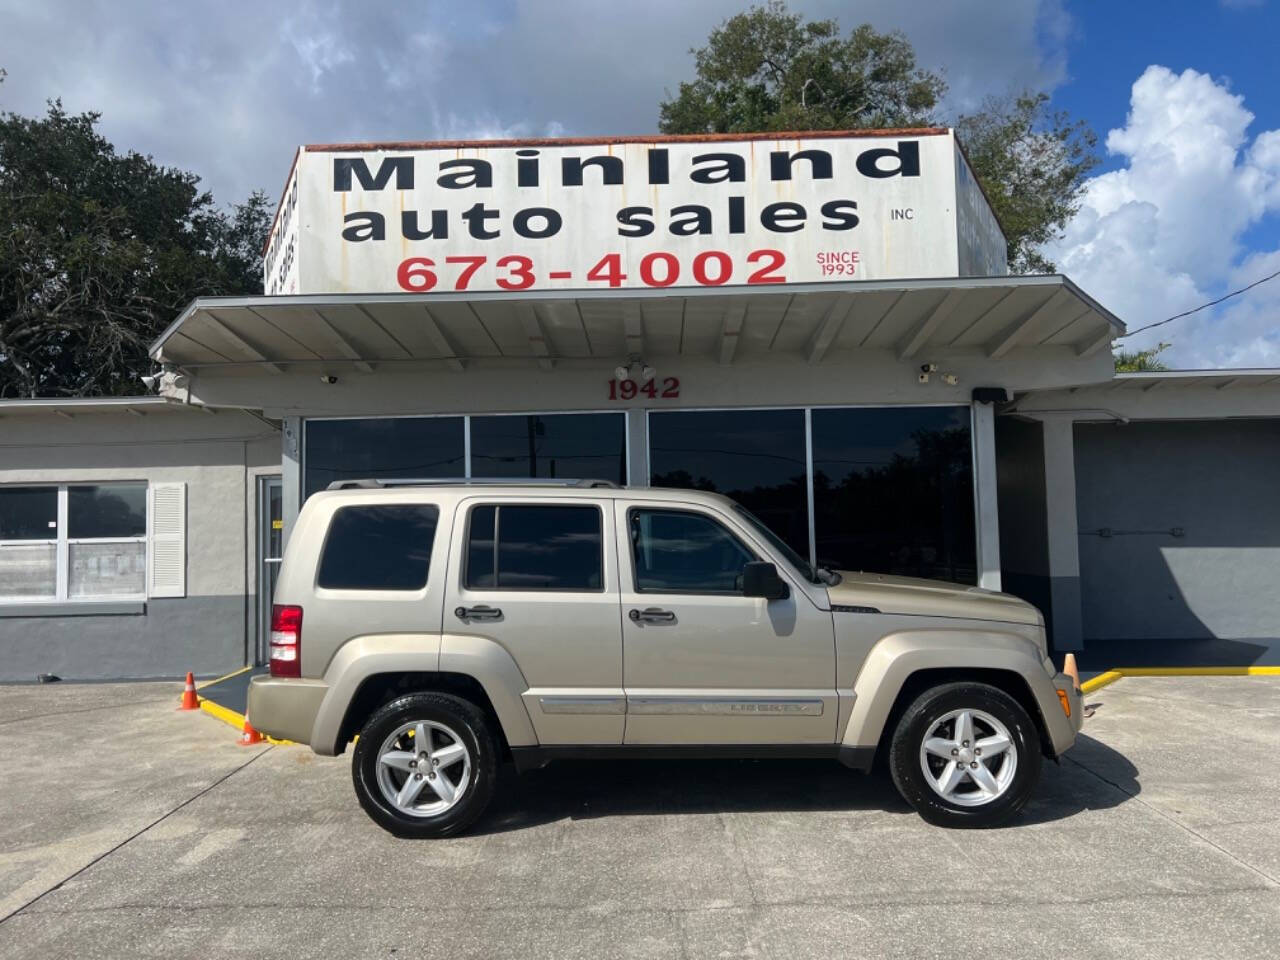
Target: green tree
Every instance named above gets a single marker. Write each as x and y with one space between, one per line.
1141 361
770 69
1032 163
99 251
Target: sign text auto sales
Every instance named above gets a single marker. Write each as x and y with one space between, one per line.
536 222
572 215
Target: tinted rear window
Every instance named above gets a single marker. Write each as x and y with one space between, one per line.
535 548
378 548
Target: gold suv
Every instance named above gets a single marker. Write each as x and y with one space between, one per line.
447 627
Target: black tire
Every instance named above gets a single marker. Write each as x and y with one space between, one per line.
926 712
459 715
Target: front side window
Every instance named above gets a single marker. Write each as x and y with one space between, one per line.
680 552
522 547
378 547
102 544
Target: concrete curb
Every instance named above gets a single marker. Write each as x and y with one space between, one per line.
225 676
1111 676
236 720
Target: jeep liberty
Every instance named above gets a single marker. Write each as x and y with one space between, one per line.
446 627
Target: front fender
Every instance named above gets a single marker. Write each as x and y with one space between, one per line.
897 656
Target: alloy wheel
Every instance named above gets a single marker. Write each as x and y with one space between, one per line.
968 758
424 768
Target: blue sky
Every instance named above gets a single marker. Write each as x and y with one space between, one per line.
1110 44
1183 96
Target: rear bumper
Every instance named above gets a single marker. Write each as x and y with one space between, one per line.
285 708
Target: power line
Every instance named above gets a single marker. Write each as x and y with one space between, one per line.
1203 306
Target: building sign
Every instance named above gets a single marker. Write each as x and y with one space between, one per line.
669 212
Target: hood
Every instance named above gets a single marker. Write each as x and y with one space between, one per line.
930 598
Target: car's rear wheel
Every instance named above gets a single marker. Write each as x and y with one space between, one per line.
965 755
425 765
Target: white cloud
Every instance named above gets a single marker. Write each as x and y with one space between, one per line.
1164 232
228 90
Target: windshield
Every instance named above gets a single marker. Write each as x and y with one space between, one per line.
802 565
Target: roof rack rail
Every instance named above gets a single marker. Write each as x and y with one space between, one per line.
373 483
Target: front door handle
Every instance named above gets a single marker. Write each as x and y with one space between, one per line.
478 613
652 615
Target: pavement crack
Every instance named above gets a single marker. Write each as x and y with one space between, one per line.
1272 881
844 905
68 713
129 839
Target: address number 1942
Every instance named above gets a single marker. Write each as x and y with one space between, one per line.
666 388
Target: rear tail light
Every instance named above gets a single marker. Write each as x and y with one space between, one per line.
286 640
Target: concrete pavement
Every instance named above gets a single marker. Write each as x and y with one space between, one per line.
133 830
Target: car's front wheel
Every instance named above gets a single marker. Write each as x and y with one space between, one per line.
965 755
425 765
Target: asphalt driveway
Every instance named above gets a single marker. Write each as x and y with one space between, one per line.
133 830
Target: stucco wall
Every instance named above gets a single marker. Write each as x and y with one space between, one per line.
1219 482
217 456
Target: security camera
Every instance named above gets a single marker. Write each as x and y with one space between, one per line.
928 367
328 378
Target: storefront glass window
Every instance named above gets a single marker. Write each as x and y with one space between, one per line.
893 491
383 448
567 445
755 456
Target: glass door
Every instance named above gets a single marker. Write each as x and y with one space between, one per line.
270 552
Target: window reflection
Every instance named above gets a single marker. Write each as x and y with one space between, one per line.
757 457
383 448
567 445
893 491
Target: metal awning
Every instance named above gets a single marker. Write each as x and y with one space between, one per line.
1223 379
908 317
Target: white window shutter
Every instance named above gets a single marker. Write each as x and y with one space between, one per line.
168 540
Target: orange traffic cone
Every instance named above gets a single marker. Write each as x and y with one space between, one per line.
1070 669
250 736
189 699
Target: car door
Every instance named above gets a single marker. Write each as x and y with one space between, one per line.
539 578
704 664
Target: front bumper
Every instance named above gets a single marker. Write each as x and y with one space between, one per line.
285 708
1063 684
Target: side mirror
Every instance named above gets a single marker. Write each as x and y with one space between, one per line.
760 579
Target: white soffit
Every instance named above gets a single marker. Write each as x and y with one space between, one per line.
993 315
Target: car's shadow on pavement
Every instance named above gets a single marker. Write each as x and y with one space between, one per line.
583 789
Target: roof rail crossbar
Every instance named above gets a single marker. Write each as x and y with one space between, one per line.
375 483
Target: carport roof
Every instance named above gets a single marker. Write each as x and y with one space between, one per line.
1223 379
992 314
69 407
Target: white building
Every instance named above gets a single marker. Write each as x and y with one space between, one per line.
964 426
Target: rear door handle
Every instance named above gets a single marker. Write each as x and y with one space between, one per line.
478 613
652 615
